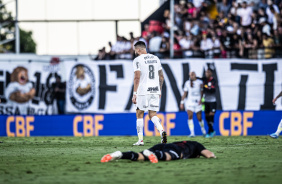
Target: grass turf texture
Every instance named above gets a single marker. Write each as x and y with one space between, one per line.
77 160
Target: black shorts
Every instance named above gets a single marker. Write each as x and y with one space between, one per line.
173 150
210 107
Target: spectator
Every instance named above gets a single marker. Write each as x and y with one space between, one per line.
117 48
125 49
269 13
186 44
206 45
234 11
216 47
177 49
187 26
198 3
59 94
275 18
164 48
195 28
261 14
262 4
146 32
250 46
265 27
192 10
155 42
245 14
260 51
102 55
268 43
223 7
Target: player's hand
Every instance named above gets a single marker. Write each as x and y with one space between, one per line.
181 106
134 99
200 102
160 96
274 100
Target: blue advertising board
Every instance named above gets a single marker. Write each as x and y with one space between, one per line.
227 123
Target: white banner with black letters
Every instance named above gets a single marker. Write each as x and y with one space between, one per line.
242 84
107 86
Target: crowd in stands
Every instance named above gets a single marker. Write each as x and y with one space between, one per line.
211 29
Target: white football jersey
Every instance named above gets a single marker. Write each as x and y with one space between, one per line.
149 66
194 93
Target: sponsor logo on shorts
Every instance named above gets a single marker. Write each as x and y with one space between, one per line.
154 106
153 89
144 106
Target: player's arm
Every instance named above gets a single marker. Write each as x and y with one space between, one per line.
161 79
208 154
136 84
182 99
278 96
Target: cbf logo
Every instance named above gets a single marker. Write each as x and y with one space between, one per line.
81 86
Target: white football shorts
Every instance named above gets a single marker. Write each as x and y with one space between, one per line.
148 102
194 107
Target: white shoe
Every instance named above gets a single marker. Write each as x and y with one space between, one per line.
151 156
191 135
139 143
111 157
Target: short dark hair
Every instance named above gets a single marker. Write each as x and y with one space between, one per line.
209 69
140 44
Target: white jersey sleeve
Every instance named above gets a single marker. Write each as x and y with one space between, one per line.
136 65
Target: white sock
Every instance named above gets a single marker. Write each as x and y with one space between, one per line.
139 127
202 126
279 128
157 123
191 126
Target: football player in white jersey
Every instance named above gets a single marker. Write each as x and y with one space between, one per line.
148 82
194 88
279 128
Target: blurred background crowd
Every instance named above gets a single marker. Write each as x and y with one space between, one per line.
210 29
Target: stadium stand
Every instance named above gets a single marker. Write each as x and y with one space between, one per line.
210 29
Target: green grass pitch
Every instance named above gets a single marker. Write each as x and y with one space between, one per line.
253 159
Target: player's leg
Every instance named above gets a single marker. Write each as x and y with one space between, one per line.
278 131
130 155
157 122
201 122
209 114
153 107
141 102
139 127
191 123
212 113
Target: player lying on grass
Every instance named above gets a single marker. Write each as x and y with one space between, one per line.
279 128
165 152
